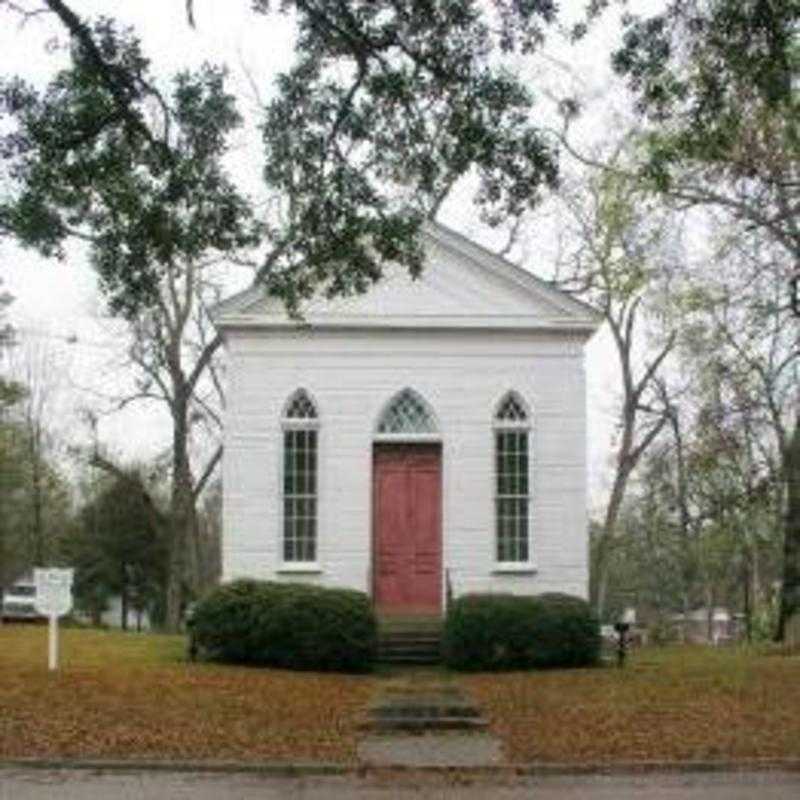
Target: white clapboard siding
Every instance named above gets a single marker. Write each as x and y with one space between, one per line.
351 377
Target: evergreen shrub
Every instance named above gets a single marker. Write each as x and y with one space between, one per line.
504 632
288 625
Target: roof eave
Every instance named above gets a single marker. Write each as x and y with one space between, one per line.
585 327
522 277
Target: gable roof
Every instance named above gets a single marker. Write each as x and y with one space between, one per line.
462 286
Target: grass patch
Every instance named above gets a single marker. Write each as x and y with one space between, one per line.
676 703
133 696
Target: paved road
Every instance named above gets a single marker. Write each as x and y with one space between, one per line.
85 785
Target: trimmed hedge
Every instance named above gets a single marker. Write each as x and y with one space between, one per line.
289 625
504 631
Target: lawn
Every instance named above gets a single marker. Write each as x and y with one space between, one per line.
675 703
134 696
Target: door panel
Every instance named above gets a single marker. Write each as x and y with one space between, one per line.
407 529
392 557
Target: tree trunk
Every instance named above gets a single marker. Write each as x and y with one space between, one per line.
790 588
181 582
756 598
710 602
748 605
602 587
36 496
606 542
687 606
123 601
601 577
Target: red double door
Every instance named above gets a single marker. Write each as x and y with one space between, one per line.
407 529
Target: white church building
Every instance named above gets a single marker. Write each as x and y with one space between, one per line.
425 439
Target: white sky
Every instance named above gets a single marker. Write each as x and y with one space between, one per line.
57 305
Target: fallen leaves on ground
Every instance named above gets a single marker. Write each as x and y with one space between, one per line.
132 695
677 703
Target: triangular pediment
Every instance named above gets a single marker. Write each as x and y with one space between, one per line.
462 286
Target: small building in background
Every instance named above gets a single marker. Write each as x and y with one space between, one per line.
707 626
112 616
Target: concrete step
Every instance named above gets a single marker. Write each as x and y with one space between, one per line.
427 711
409 643
418 724
410 659
419 701
409 630
424 711
451 749
410 652
410 624
400 649
422 635
411 639
409 636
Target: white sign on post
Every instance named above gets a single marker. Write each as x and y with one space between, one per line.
53 600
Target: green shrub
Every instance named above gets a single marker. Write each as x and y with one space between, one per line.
290 625
503 631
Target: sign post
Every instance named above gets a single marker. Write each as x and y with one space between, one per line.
53 600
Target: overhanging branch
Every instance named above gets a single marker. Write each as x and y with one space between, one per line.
119 83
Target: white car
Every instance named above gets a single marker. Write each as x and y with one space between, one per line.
19 601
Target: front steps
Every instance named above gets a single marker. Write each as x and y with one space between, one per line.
422 700
409 640
421 716
437 708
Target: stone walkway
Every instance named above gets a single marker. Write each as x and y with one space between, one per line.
422 718
431 750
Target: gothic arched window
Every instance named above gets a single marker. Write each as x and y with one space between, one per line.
512 484
407 413
300 423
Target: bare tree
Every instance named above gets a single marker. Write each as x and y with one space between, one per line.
36 367
742 344
11 560
175 351
620 246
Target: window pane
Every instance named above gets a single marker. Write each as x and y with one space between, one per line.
511 410
301 407
521 470
523 531
407 413
522 480
300 487
512 503
312 459
287 451
498 468
288 530
311 462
